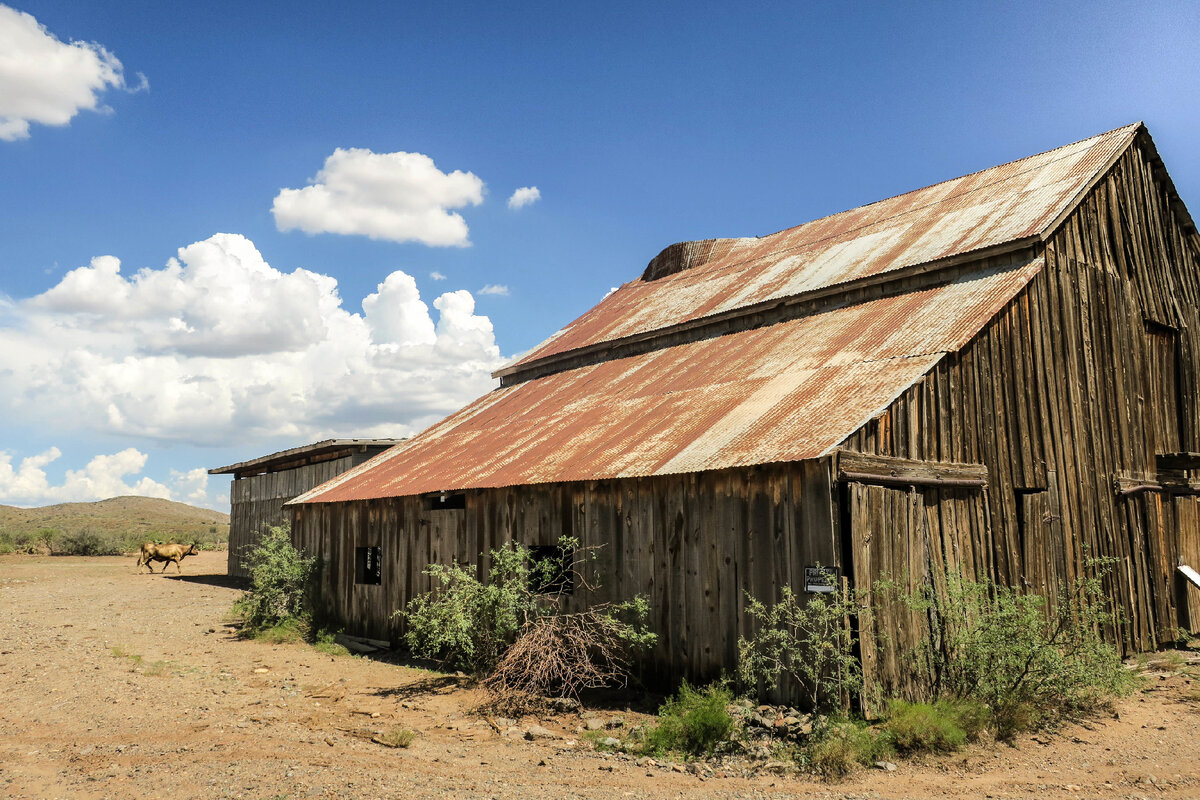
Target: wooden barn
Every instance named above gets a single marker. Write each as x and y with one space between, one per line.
262 485
995 375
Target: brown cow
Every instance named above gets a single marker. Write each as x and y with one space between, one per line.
166 553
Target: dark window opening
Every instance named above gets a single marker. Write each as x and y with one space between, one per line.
1161 328
1030 509
368 567
550 569
446 501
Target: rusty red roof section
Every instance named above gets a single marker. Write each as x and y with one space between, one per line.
693 280
788 391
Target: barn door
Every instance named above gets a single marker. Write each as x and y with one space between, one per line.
1162 383
1046 556
1187 526
910 538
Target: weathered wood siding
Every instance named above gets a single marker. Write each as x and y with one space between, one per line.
1083 379
256 502
692 544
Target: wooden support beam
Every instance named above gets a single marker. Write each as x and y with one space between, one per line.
892 471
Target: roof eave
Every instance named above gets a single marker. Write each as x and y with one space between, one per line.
300 452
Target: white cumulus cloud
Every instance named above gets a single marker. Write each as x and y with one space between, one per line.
103 477
45 80
191 486
437 276
524 196
495 288
219 347
401 197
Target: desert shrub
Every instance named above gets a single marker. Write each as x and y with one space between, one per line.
562 654
466 623
86 543
692 722
807 639
1028 661
25 542
518 638
840 746
939 727
282 581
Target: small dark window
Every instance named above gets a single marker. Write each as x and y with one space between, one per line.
550 569
367 566
446 501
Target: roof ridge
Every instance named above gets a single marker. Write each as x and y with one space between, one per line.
997 209
1132 126
845 233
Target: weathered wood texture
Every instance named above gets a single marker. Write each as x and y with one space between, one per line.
256 502
1074 388
693 545
911 538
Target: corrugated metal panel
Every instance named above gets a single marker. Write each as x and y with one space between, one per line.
305 451
985 209
784 392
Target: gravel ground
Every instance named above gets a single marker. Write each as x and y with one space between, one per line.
120 685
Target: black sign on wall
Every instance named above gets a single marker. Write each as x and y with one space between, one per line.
821 580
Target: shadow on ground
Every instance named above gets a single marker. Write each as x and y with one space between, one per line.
434 684
224 581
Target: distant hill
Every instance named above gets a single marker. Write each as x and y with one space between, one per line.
131 519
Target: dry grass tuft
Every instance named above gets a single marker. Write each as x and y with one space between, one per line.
396 737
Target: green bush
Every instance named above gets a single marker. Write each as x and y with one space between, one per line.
282 582
86 543
519 638
1028 661
939 727
807 640
840 746
465 623
692 722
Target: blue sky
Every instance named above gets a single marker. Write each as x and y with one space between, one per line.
639 124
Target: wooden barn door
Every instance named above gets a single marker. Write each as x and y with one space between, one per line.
1162 386
1187 525
911 538
1047 558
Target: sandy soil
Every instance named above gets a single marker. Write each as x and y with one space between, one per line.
120 685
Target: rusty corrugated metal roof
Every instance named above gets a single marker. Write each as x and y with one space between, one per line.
788 391
986 209
269 463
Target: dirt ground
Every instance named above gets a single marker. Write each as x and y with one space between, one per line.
120 685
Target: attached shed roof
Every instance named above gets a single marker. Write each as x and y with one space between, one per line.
1009 205
302 456
784 392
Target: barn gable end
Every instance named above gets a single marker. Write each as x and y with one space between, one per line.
1075 397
